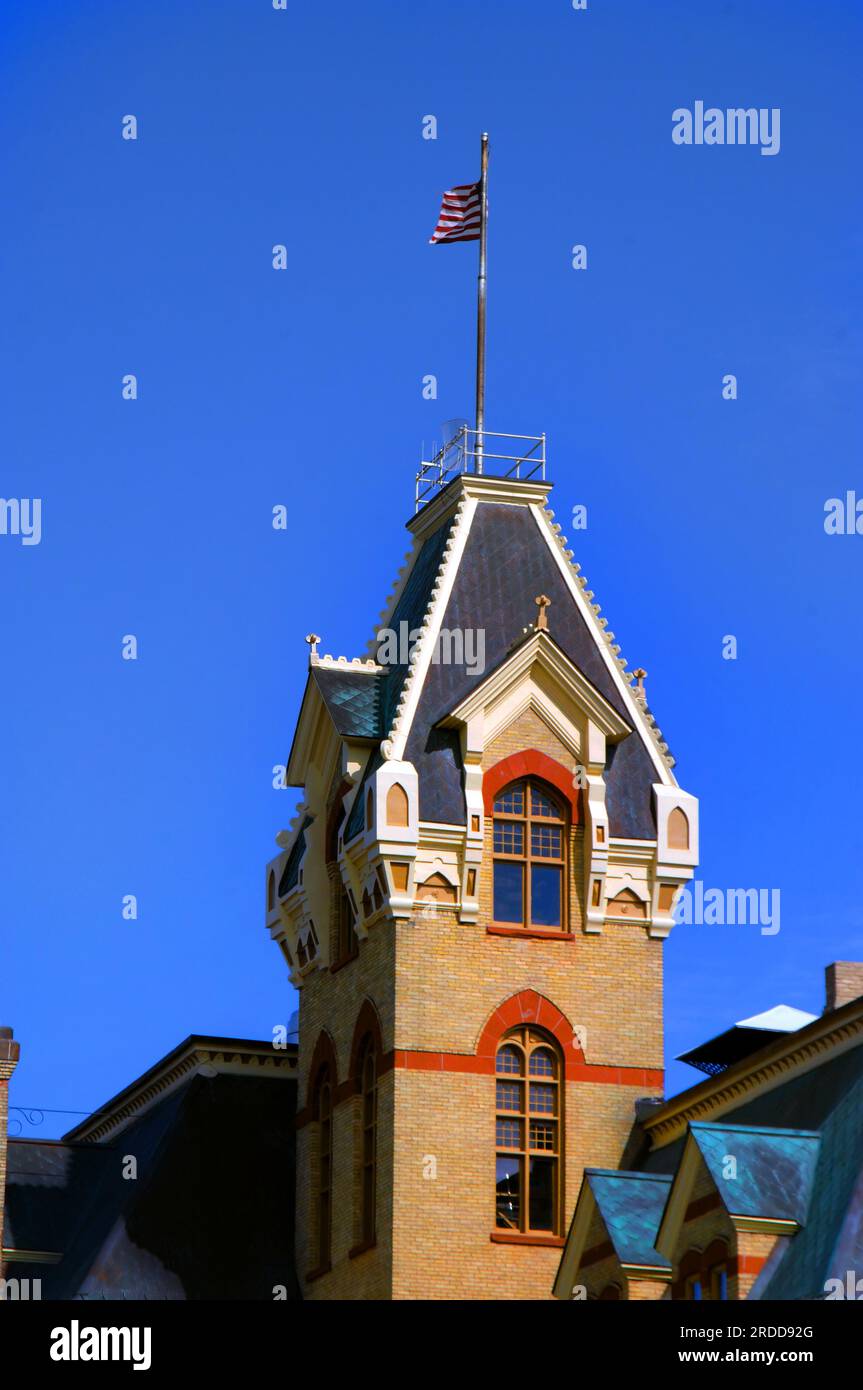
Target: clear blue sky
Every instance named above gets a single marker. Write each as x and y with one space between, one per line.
304 388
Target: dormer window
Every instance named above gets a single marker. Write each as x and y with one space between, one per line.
530 834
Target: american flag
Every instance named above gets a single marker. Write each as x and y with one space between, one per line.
460 215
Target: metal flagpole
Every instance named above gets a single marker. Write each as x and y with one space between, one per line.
480 307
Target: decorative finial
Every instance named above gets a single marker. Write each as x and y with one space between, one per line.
542 602
313 639
640 676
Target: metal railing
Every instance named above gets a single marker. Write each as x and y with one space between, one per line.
468 452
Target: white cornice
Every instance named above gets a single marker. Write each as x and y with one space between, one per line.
422 653
480 487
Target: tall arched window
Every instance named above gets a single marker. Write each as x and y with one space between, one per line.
324 1185
368 1139
530 833
529 1122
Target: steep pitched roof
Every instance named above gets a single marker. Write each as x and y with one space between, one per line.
773 1169
631 1205
506 560
352 699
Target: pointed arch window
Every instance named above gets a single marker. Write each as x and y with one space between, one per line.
530 831
368 1140
324 1174
529 1129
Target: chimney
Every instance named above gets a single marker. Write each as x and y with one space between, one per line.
9 1053
844 981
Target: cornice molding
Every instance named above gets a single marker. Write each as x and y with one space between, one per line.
789 1056
228 1056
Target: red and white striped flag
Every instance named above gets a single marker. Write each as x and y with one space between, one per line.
460 215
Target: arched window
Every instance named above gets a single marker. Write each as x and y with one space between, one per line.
529 1121
530 833
324 1184
368 1139
346 944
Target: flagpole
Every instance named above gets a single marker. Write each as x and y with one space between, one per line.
480 308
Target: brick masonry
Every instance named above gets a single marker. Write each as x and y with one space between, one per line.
435 984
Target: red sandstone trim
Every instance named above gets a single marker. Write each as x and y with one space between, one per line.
531 763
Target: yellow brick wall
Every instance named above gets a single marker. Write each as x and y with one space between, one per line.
435 983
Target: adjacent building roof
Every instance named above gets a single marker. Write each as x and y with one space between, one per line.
772 1172
184 1199
744 1038
631 1205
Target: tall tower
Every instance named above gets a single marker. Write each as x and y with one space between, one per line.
472 900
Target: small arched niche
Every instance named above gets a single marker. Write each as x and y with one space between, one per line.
397 805
678 829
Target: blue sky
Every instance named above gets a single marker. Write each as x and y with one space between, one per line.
303 387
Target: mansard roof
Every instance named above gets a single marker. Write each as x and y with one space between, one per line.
484 549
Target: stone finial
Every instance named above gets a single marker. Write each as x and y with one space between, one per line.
313 639
640 677
542 603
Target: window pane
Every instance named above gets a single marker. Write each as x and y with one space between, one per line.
508 837
542 1172
542 1098
542 1063
511 802
542 1135
510 1134
508 892
544 895
542 805
545 842
509 1095
509 1060
508 1192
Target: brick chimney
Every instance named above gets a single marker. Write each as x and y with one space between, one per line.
844 981
9 1053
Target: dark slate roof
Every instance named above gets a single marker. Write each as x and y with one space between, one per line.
506 563
773 1169
631 1206
167 1234
352 699
291 871
410 609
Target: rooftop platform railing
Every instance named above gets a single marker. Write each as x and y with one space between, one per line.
470 452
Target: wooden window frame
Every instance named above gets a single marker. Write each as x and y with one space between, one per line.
528 859
347 943
528 1039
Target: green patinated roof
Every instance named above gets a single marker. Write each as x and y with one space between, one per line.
772 1170
631 1205
291 871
